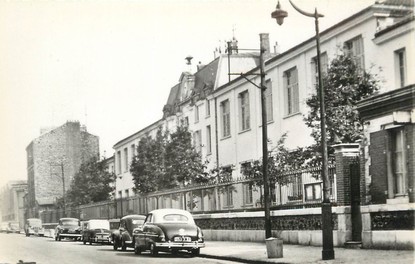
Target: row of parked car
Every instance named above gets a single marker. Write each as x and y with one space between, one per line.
167 230
9 227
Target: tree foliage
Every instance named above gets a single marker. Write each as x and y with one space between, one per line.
280 160
344 85
92 183
167 162
147 167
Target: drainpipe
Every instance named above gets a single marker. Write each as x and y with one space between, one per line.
217 204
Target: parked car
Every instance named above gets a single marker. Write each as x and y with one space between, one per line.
68 228
114 226
169 230
96 230
4 227
33 226
123 237
14 227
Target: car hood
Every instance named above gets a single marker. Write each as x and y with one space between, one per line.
101 231
178 229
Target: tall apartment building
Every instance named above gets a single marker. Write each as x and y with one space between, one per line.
12 202
52 161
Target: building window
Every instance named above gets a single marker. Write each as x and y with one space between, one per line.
196 113
132 151
119 162
125 159
397 162
244 111
292 102
127 193
354 48
400 62
207 108
268 101
247 193
324 61
312 191
228 196
185 121
197 141
208 140
226 122
295 188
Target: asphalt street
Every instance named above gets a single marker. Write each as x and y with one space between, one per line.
45 250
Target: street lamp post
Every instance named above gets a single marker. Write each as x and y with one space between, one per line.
326 210
262 87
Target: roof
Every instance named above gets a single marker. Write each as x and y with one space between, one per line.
136 134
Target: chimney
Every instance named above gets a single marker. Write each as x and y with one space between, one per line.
189 62
264 38
276 48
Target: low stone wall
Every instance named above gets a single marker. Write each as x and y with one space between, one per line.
303 226
388 226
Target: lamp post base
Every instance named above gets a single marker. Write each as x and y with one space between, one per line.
327 228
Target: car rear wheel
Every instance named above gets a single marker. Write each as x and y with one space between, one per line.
59 238
153 250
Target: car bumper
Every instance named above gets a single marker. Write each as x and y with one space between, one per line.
104 239
180 245
70 235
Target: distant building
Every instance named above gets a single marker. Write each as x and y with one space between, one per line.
52 161
11 202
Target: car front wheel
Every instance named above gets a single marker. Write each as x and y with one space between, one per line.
153 250
137 250
115 244
196 252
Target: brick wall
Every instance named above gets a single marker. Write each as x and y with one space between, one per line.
67 145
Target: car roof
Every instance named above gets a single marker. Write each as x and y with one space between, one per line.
159 213
134 217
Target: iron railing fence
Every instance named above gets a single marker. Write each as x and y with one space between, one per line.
302 188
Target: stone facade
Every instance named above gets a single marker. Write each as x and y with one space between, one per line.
12 202
53 160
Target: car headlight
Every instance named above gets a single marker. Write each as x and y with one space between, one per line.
162 238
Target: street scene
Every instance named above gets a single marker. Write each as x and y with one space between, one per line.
274 131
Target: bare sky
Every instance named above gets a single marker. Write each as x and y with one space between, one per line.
111 64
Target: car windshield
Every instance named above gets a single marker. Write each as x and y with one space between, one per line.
137 222
34 222
114 225
175 218
14 225
69 222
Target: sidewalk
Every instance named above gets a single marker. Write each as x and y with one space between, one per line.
251 252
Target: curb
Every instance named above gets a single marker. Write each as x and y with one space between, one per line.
240 260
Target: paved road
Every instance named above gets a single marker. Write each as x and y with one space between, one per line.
42 250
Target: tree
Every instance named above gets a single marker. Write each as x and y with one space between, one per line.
147 167
92 183
344 85
167 162
183 162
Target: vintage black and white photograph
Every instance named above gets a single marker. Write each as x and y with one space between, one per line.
207 131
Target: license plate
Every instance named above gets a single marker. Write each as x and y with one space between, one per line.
182 239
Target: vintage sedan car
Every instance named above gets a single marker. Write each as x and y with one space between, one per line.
68 228
34 226
14 227
4 227
96 230
123 237
169 230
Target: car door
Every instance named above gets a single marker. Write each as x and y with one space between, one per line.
147 230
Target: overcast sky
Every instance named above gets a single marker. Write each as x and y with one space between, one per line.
111 64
